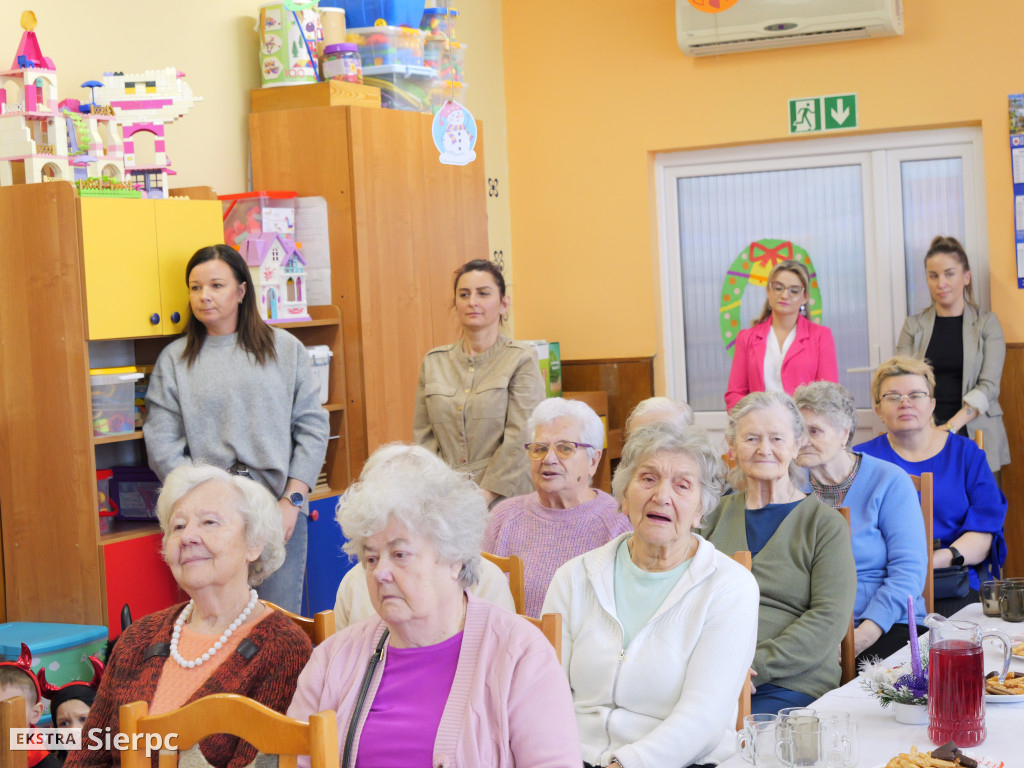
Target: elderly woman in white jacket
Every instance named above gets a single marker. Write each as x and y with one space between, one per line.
659 627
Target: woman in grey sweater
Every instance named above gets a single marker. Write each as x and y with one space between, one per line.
241 395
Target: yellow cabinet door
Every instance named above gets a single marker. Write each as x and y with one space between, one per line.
122 282
182 228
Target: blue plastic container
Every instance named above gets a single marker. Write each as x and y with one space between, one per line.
396 13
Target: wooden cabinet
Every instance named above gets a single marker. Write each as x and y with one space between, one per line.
400 223
134 253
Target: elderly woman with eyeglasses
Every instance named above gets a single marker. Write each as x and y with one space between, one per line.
437 676
564 516
784 348
886 527
658 626
801 555
970 510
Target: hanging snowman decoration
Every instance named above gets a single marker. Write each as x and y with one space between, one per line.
454 132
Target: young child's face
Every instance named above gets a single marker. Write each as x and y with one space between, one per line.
71 714
33 711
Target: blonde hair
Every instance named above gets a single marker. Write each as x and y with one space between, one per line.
901 366
797 269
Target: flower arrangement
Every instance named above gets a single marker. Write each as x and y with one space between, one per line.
906 683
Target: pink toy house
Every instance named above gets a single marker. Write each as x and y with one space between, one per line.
279 275
33 141
95 148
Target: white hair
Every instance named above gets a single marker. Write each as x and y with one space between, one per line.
757 401
261 516
674 412
832 401
416 488
590 424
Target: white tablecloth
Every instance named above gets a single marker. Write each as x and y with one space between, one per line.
881 737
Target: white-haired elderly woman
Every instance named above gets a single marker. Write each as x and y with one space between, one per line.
801 554
661 410
439 677
658 626
564 516
222 536
886 526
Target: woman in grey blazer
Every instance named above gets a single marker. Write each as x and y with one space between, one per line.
965 347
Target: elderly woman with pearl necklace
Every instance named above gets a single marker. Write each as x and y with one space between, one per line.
222 536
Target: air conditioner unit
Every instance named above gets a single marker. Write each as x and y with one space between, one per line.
752 25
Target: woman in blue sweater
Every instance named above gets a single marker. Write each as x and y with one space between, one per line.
887 530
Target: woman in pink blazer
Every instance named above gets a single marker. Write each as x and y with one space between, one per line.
784 349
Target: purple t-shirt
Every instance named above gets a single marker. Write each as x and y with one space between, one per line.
407 708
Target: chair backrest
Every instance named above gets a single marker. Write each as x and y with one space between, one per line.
847 649
925 485
979 439
744 558
318 628
270 732
513 566
12 715
551 625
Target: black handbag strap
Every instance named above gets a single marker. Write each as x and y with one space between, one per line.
361 701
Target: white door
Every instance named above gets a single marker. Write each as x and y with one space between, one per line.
861 209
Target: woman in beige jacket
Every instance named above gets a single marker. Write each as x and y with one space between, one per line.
965 348
475 395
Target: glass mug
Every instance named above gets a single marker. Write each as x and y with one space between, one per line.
1011 601
756 741
989 596
956 680
840 738
803 742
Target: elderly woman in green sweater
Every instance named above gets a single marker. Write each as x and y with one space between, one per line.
802 559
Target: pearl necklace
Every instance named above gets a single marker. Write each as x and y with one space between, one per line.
184 616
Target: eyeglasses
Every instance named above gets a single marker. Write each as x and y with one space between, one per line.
914 397
564 449
792 290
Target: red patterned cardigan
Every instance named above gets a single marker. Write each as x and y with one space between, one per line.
268 676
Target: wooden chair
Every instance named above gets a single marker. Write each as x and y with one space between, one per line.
847 649
925 485
270 732
513 566
318 628
551 625
12 715
979 439
744 558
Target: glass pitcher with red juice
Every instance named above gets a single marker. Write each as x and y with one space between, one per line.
956 680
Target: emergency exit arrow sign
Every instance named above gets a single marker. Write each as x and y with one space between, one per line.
815 114
840 111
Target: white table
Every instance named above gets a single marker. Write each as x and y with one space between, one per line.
881 737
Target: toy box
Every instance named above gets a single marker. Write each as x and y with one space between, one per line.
113 400
447 58
445 90
399 13
554 369
251 214
62 649
133 492
440 21
407 88
383 46
320 356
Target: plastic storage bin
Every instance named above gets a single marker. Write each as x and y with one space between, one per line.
62 649
320 357
406 88
113 400
385 46
133 492
250 214
440 21
398 13
445 90
447 58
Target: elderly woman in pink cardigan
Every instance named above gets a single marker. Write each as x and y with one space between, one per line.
784 349
437 677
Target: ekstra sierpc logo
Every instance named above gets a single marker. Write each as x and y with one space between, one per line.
51 739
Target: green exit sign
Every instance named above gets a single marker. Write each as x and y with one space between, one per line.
823 113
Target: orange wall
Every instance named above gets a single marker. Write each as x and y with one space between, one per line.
593 89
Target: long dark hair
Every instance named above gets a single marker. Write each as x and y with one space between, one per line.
254 335
950 245
797 269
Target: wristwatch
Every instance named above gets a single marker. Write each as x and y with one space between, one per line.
297 498
958 559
